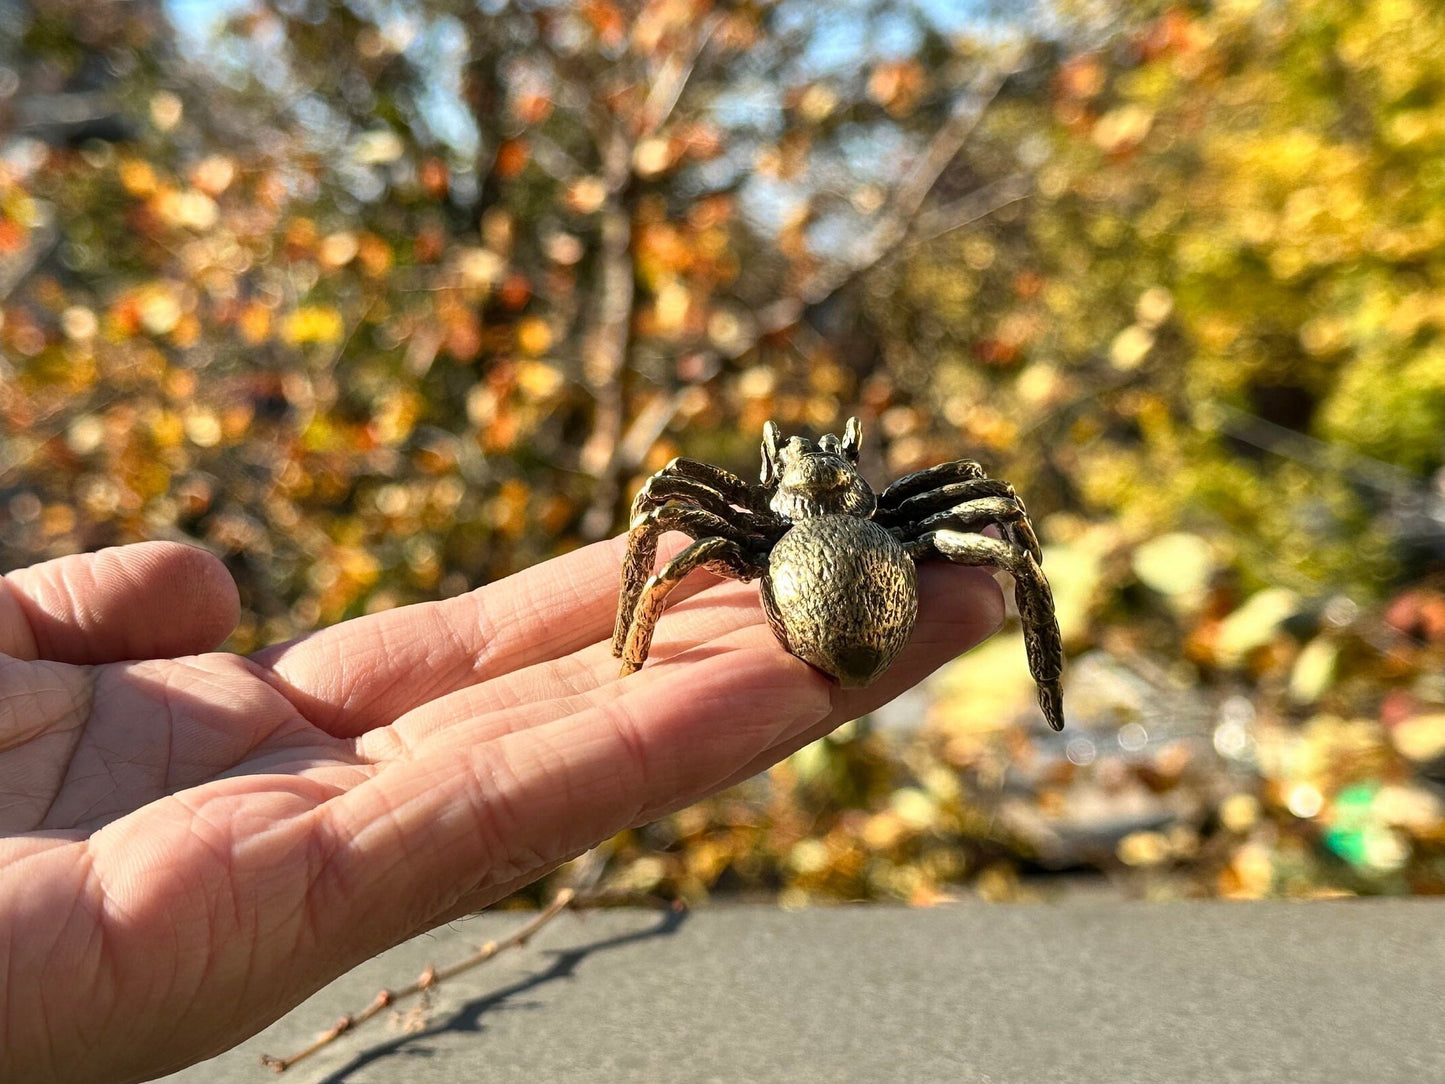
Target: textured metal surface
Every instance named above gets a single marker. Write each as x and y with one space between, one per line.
839 586
1032 594
841 594
719 555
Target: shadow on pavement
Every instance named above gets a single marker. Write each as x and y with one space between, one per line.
468 1018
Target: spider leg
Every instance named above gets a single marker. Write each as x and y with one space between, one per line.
1042 639
725 483
910 485
722 556
967 506
663 487
642 553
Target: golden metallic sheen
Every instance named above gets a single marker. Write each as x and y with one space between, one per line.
836 560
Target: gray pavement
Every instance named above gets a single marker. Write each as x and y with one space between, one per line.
1348 991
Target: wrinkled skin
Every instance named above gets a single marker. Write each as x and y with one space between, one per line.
192 843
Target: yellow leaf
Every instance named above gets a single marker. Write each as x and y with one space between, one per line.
167 429
1254 623
254 323
137 177
313 324
534 337
538 380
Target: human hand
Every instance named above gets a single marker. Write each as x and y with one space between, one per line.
192 843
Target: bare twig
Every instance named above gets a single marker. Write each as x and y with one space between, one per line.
672 79
897 221
1320 456
556 161
68 109
971 208
609 338
904 223
642 434
429 978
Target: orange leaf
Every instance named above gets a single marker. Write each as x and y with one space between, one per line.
607 20
512 158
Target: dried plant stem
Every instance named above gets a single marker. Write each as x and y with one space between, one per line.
427 980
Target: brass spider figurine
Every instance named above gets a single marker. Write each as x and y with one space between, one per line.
837 561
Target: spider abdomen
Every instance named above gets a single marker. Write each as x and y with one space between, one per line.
841 594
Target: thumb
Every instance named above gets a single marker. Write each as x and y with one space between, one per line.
143 601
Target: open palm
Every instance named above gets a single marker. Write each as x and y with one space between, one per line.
191 842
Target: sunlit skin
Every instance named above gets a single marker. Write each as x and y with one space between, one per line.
192 841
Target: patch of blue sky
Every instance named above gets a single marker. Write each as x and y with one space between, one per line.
834 236
233 61
847 34
769 203
198 20
955 16
441 49
873 151
438 47
755 105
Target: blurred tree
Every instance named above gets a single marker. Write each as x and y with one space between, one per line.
1225 283
381 302
606 153
406 299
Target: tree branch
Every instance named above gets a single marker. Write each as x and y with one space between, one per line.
672 80
428 979
978 204
608 340
896 222
605 454
566 899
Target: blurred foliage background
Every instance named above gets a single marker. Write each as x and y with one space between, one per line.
381 301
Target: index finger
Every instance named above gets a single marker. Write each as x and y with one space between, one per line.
488 800
365 673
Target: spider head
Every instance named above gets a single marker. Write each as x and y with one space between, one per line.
815 478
